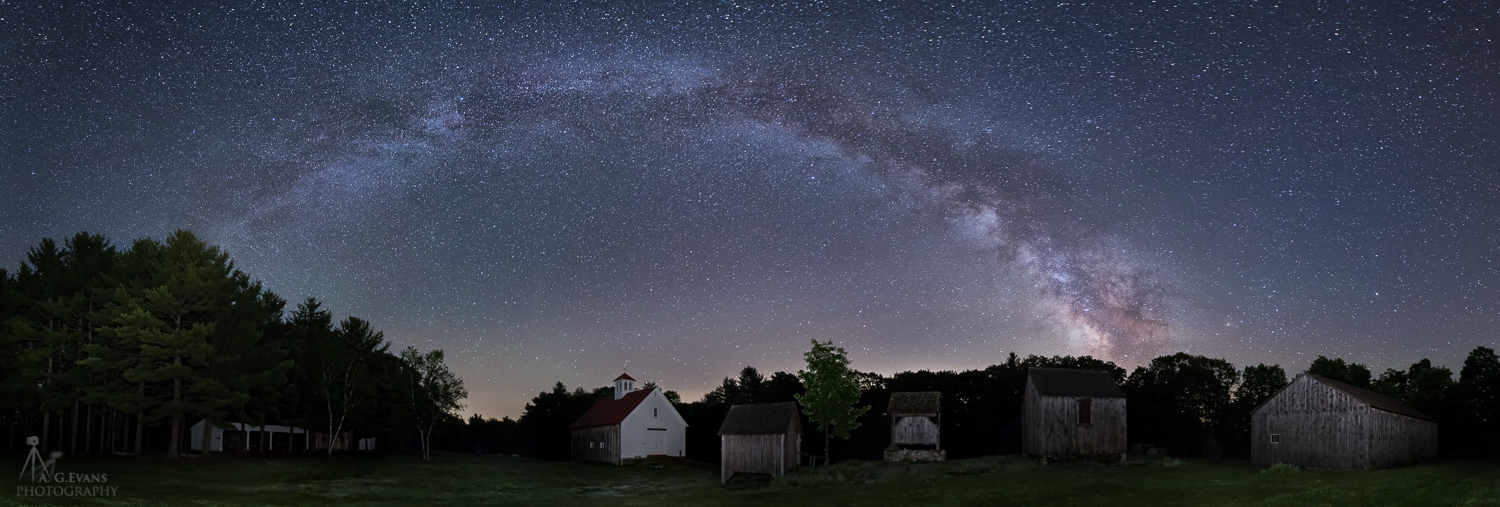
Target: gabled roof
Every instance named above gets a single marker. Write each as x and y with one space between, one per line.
1067 382
624 376
1372 398
760 419
918 402
611 411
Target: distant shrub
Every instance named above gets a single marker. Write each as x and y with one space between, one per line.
1172 462
1281 469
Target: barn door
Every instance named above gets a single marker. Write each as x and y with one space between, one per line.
656 441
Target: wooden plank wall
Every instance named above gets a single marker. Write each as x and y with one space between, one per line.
1398 440
609 452
1319 427
916 431
1050 426
753 454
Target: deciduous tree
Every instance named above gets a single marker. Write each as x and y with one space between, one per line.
435 392
832 391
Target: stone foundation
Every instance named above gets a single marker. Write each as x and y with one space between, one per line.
916 455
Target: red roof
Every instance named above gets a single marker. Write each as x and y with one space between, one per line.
624 376
611 411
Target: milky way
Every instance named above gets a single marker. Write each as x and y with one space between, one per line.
554 192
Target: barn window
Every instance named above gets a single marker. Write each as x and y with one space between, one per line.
1085 411
1275 438
653 412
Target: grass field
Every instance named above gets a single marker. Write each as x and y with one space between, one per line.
1005 480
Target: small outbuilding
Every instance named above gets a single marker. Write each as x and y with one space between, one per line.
761 438
634 424
1068 413
1318 422
916 426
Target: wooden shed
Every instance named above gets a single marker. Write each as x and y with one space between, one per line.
1072 413
763 438
916 426
1317 422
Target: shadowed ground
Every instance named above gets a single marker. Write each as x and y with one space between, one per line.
1005 480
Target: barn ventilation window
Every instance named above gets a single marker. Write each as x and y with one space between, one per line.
653 412
1085 411
1275 438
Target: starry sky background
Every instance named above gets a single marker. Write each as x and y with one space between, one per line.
552 192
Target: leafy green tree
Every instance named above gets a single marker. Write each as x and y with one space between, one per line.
434 391
832 391
1355 374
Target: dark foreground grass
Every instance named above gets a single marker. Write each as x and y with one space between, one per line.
1005 480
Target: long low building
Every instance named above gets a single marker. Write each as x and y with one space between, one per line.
1318 422
241 437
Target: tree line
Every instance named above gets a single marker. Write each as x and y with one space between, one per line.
104 349
1177 402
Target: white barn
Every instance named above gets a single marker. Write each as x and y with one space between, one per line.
634 424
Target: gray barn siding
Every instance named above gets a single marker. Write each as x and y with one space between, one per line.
607 453
1397 440
773 453
915 430
754 454
1050 426
1323 427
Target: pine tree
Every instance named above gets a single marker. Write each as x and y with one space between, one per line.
176 321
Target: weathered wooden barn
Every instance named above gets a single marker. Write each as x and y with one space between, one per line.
762 438
1317 422
916 426
1072 413
634 424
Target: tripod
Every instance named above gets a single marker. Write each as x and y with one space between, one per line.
35 464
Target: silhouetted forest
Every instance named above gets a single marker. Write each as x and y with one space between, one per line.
1175 402
104 349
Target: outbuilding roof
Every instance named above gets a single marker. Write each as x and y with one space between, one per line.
611 411
915 402
1068 382
1372 398
760 419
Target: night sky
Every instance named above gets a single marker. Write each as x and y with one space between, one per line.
552 192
